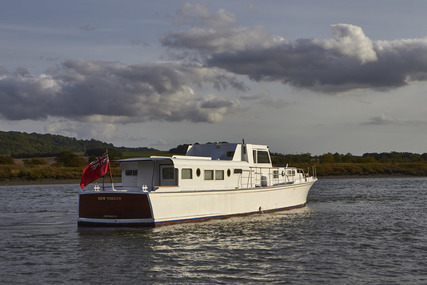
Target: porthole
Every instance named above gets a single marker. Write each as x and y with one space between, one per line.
228 172
198 172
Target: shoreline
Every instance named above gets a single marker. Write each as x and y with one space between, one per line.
40 182
52 181
367 176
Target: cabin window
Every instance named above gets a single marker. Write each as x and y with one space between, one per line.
262 157
209 174
291 172
228 172
131 172
187 173
168 173
198 172
275 173
238 170
219 174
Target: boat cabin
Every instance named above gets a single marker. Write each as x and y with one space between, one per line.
219 166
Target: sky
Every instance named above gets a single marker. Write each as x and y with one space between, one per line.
300 76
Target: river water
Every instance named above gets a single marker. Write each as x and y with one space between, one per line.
353 231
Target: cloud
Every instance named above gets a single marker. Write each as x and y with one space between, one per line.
215 32
350 40
380 120
99 91
331 67
347 61
102 131
386 120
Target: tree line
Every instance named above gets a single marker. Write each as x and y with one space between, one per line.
24 145
384 157
65 149
18 144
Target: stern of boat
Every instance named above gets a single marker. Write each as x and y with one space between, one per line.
114 208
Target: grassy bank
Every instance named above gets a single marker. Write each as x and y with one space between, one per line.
371 169
12 174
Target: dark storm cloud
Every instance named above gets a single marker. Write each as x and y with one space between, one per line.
106 91
306 64
348 60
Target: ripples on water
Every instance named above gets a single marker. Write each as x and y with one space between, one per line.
354 231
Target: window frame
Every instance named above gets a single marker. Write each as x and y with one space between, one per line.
222 176
184 173
212 174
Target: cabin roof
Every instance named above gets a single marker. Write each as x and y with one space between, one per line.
202 152
136 159
217 151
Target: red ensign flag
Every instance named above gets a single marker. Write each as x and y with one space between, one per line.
95 170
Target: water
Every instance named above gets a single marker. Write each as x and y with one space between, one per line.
354 231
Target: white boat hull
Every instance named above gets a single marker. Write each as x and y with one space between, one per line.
210 181
185 206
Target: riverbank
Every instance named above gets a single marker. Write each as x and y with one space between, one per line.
372 169
44 174
53 181
41 175
39 182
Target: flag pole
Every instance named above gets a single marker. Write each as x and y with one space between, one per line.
111 178
111 175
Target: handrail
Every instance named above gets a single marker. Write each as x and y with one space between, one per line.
275 176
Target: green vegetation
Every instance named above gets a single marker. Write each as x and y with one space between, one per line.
372 169
369 164
385 157
69 159
6 160
22 172
18 144
34 161
58 157
181 149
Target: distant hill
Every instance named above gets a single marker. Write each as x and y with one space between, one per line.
17 144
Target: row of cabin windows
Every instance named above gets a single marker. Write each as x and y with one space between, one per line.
187 173
209 174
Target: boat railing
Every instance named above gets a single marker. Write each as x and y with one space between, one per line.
257 176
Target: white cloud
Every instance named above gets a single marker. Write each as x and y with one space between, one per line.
97 91
215 32
351 41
